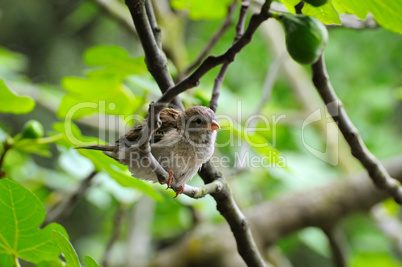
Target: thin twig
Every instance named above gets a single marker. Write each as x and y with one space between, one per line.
158 70
152 21
376 170
155 59
64 209
201 191
213 104
334 236
117 223
225 202
215 38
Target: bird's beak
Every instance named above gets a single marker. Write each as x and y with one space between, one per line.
214 125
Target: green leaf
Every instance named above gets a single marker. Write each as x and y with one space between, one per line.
67 249
203 9
21 214
53 263
12 103
326 13
113 61
117 171
95 95
290 5
91 262
399 93
374 259
11 62
387 14
356 7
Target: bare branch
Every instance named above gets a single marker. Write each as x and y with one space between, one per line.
213 104
225 202
376 170
323 207
213 61
157 65
215 38
336 242
238 223
117 222
154 57
64 209
201 191
152 21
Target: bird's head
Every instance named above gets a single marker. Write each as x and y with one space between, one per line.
199 123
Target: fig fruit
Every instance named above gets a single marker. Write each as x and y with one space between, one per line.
32 130
306 37
316 3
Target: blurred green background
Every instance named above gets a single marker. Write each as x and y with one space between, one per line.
62 53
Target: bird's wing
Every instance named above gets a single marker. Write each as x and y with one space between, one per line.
169 118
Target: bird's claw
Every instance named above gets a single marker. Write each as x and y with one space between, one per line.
170 180
180 191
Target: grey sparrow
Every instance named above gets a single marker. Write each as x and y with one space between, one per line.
185 140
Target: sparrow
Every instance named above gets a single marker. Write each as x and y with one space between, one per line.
184 141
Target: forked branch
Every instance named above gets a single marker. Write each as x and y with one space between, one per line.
215 184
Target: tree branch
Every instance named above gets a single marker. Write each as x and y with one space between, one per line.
152 21
215 38
376 170
213 104
225 202
157 65
238 223
201 191
334 236
323 207
154 57
64 209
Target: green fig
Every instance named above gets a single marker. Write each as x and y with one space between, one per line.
306 37
32 130
316 3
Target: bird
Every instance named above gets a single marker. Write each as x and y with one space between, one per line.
184 141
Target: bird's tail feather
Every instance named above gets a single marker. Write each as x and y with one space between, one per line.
98 147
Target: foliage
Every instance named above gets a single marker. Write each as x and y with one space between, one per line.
21 213
114 84
12 103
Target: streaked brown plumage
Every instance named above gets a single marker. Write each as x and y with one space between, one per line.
182 144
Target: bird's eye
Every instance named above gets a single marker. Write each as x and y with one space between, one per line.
198 121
